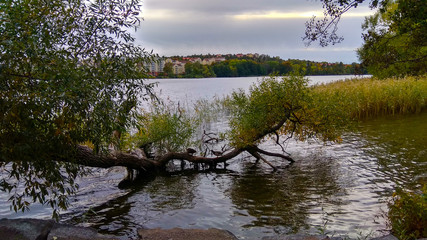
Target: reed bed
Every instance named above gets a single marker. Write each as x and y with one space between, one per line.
370 97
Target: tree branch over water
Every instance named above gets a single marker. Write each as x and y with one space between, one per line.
70 75
325 30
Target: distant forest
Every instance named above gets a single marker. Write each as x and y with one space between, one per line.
260 65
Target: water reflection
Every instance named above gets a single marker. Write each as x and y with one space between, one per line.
341 187
172 192
398 145
148 199
286 198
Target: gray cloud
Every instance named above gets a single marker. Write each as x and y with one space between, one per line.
197 26
230 6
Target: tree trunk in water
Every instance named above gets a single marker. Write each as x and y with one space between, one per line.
143 165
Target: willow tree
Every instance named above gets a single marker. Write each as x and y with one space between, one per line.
70 92
274 109
69 73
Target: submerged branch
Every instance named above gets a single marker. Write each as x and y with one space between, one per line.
274 154
254 153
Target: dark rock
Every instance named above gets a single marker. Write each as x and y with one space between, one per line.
35 229
25 229
185 234
69 232
301 237
386 237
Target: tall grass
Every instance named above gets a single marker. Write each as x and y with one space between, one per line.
366 98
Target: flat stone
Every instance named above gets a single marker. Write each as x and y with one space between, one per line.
25 229
386 237
299 237
69 232
185 234
36 229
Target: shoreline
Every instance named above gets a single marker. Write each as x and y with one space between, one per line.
36 229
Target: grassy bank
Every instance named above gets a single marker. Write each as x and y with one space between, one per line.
366 98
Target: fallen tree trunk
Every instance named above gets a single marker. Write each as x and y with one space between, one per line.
85 156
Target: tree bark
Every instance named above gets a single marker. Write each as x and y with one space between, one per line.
85 156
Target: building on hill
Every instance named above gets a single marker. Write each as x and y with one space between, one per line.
155 67
192 59
178 67
210 61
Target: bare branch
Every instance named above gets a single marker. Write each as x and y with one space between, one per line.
258 157
278 143
325 30
274 154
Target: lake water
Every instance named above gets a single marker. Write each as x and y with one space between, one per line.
207 88
341 188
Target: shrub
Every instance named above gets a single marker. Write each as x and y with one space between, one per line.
407 214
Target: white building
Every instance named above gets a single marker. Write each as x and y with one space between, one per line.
155 67
178 67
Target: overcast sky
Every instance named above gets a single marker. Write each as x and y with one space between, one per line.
273 27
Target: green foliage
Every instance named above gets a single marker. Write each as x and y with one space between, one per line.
366 98
164 128
322 111
168 69
262 65
286 106
324 117
407 214
197 70
258 67
68 74
396 37
272 102
325 30
168 127
396 40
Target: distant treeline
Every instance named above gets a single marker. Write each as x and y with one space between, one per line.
265 65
